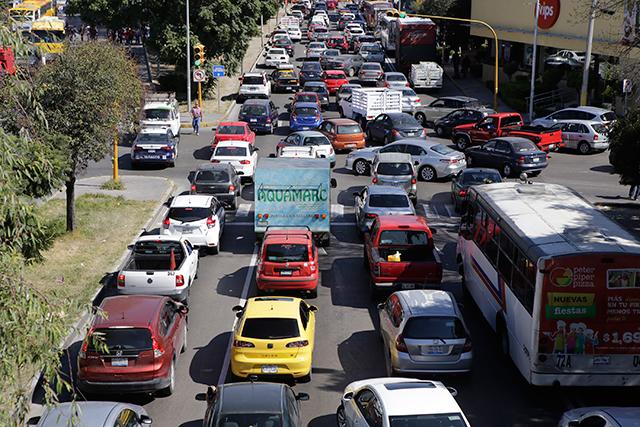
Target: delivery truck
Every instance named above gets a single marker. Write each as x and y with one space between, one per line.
294 193
366 104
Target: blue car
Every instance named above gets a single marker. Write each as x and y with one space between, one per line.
305 116
260 114
154 146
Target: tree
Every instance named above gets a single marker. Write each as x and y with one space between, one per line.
86 93
624 140
433 7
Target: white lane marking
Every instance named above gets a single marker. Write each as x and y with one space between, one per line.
337 211
243 209
429 211
242 301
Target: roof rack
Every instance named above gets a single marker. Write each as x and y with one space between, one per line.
160 97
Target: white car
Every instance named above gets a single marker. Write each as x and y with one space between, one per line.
197 217
276 56
389 402
410 100
584 135
254 85
279 34
595 114
298 14
242 155
606 416
294 33
393 80
353 30
315 49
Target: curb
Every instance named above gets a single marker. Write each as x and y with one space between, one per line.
85 316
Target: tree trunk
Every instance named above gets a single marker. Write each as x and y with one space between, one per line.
71 202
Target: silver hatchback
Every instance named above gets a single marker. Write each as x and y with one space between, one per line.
375 200
396 170
423 332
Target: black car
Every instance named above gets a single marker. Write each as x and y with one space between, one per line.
509 155
389 127
335 64
218 179
444 126
286 44
284 81
310 71
472 176
321 89
252 404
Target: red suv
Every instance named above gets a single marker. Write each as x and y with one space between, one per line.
134 348
288 261
338 42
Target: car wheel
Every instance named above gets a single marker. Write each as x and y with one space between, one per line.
305 378
584 148
506 170
462 142
360 167
341 418
168 390
427 173
214 249
422 119
440 131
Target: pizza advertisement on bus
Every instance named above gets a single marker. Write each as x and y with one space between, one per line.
590 306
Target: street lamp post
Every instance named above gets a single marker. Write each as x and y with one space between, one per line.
188 59
584 90
533 59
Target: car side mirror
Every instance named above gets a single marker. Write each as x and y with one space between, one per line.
313 308
333 183
237 309
302 397
255 149
453 391
130 247
416 163
192 174
272 156
145 420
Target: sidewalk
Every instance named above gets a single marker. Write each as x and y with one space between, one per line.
474 88
137 187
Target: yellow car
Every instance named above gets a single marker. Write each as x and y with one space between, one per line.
274 336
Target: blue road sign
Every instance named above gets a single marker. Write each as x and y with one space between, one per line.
218 70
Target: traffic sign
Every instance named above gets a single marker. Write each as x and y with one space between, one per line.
199 76
218 70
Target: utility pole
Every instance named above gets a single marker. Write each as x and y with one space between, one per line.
262 31
533 59
188 59
584 90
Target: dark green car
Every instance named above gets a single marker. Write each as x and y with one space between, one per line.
473 176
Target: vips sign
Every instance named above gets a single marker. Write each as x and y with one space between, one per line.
548 14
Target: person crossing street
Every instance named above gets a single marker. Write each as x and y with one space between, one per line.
196 114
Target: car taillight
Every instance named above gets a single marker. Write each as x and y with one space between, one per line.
166 223
467 346
595 137
243 344
211 222
121 280
449 161
298 344
232 188
179 280
521 160
417 101
166 148
215 161
157 350
462 193
400 344
371 215
374 180
83 350
193 187
413 181
245 162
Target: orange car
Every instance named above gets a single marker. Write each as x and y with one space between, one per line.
344 134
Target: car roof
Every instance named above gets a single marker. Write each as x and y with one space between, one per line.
588 109
243 124
215 166
512 139
273 307
394 157
295 235
351 85
312 84
253 75
305 93
582 122
231 143
428 302
308 133
129 310
191 200
413 397
88 413
337 121
385 189
459 98
158 105
402 220
256 397
394 73
307 104
155 130
256 101
398 115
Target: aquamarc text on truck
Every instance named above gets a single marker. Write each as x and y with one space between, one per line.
293 192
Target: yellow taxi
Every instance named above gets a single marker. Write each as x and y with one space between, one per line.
274 337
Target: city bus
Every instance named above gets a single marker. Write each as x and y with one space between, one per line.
48 34
26 13
557 280
387 35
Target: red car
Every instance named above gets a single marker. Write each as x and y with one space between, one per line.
288 261
143 334
338 42
332 4
233 131
334 79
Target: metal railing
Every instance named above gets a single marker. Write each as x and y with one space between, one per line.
552 100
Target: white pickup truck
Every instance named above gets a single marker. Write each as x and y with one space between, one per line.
159 265
160 110
426 75
365 104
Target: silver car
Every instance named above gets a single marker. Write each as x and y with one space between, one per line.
372 52
393 80
601 416
594 114
94 414
433 160
370 72
375 200
395 169
423 332
584 135
315 49
410 100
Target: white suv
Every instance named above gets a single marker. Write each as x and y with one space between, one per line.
242 155
254 85
197 217
594 114
276 56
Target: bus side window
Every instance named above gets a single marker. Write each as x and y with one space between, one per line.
491 240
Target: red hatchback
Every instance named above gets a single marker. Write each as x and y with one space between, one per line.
334 79
135 347
338 42
288 261
233 131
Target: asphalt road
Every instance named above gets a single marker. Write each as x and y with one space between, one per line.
347 346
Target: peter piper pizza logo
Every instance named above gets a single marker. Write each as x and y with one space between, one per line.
561 277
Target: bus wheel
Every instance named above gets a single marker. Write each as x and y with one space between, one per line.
503 338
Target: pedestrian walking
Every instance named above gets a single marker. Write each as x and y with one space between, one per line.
196 114
138 36
93 32
83 29
456 64
466 66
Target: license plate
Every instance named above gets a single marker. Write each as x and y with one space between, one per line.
601 360
408 285
286 273
288 88
350 145
253 120
151 151
253 88
269 369
434 349
120 362
263 223
536 160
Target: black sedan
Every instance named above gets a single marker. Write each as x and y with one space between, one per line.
218 179
284 81
472 176
310 71
509 155
252 404
389 127
444 125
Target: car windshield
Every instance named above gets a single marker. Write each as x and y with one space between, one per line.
254 110
336 40
474 178
331 52
473 104
316 89
598 128
252 80
371 67
276 52
231 130
189 214
270 328
405 120
388 201
404 237
120 339
305 111
311 66
336 77
316 140
156 114
346 90
287 253
428 420
249 419
320 30
434 327
231 151
443 149
213 176
608 117
396 78
349 129
395 169
524 147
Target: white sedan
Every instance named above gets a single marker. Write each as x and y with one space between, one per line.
276 56
242 155
294 33
315 49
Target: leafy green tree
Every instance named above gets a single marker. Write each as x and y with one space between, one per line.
86 93
433 7
624 140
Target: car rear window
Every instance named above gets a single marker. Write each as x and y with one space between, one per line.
388 201
306 111
320 30
404 237
317 45
252 80
287 253
524 147
408 92
405 119
443 149
316 140
151 138
394 169
374 48
254 110
511 121
480 178
371 67
156 114
349 129
608 117
231 130
336 76
311 66
213 176
601 129
434 327
250 419
189 214
428 420
157 247
269 329
316 89
276 51
307 98
231 151
395 78
121 339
